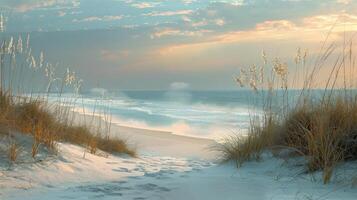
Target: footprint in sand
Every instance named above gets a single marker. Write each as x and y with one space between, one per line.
121 169
128 162
157 175
152 187
104 189
112 163
139 198
134 177
119 182
184 176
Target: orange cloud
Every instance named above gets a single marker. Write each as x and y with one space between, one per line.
177 32
310 29
170 13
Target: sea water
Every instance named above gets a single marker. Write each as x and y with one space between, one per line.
205 114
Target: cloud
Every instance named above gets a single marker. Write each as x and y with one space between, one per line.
143 5
176 32
219 22
28 5
310 29
346 2
246 14
188 1
97 18
185 18
205 22
199 23
344 22
170 13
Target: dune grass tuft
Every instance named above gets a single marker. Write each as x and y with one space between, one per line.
31 117
25 105
320 127
13 152
242 148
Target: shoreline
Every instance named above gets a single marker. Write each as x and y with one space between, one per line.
149 141
168 166
86 111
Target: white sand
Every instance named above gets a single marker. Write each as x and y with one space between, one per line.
155 142
166 144
168 167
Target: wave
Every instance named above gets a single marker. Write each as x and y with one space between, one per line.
189 117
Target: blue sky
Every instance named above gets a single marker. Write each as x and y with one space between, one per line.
131 44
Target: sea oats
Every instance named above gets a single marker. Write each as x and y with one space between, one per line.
33 63
77 86
50 74
298 56
240 81
280 68
264 56
2 23
262 74
243 75
49 71
42 59
70 77
305 56
19 47
253 85
28 56
29 52
13 57
253 69
28 42
10 45
3 47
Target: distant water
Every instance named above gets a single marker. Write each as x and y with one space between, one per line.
207 114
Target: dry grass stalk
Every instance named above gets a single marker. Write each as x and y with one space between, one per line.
30 115
323 131
92 145
34 148
13 152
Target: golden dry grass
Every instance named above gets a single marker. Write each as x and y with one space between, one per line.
82 136
322 130
13 152
31 117
248 147
325 134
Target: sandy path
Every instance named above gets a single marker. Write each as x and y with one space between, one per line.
169 167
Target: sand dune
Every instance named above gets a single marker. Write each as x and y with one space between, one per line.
168 167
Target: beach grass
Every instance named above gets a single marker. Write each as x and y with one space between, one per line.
31 117
25 106
321 128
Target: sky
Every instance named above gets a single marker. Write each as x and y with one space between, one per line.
155 45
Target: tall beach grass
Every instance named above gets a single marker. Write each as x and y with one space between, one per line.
319 125
27 80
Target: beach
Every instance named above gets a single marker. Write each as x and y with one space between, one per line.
167 166
178 100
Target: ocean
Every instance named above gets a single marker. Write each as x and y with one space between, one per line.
204 114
